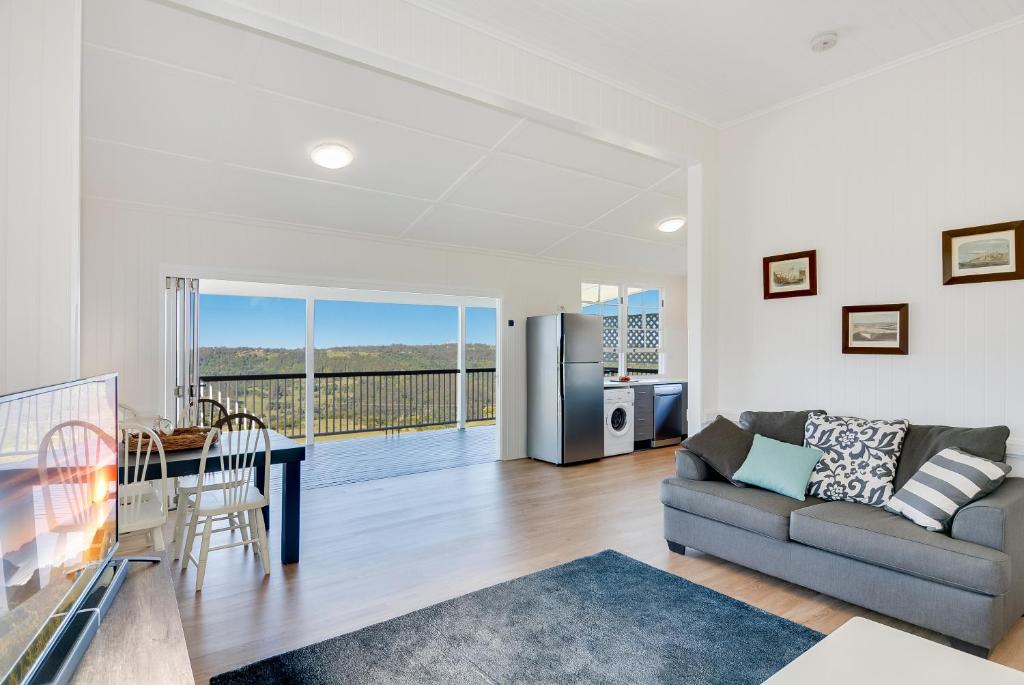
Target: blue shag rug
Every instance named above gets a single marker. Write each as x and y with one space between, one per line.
606 618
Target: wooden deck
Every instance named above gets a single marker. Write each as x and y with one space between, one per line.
354 460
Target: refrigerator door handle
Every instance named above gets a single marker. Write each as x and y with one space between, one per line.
561 374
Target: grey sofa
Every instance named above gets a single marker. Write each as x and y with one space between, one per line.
968 584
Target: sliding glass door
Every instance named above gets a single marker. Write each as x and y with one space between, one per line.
252 357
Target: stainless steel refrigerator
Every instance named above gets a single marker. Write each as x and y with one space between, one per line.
564 388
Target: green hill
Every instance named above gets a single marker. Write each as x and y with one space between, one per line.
231 361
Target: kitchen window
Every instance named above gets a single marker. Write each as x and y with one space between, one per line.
633 338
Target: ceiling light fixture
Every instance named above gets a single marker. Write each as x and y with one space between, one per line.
331 156
672 225
824 41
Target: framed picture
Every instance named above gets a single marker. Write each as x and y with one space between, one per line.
876 329
791 275
983 253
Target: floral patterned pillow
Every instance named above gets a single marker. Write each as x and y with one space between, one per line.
859 457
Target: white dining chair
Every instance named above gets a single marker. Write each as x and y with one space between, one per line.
142 503
228 495
73 481
187 486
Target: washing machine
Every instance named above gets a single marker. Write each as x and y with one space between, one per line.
618 421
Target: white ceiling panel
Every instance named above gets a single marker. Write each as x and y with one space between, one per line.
674 185
257 194
546 144
640 217
160 32
224 124
453 225
591 246
277 134
135 175
328 80
724 59
152 105
539 191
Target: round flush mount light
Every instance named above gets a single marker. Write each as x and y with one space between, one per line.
331 156
824 41
672 225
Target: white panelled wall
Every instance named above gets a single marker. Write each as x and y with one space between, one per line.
127 249
40 67
870 174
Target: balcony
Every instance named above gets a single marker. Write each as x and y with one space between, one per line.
373 424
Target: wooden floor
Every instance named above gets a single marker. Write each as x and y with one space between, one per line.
353 460
379 549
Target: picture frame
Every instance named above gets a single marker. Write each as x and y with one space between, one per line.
980 254
794 274
876 329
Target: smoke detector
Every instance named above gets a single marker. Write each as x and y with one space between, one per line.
824 41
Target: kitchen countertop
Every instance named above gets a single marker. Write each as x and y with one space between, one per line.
649 380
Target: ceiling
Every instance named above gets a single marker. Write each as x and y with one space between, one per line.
721 60
223 123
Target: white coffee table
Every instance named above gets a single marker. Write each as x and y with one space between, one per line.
862 651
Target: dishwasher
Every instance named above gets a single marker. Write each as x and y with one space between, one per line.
669 414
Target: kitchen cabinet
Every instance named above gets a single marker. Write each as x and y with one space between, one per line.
643 413
647 426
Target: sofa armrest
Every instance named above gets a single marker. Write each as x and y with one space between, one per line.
995 521
691 467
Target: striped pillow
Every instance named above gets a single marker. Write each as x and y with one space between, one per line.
946 483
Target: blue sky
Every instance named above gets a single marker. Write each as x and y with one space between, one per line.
233 321
645 299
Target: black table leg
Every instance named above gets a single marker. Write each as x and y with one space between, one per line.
290 501
261 485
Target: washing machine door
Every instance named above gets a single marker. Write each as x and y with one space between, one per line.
617 420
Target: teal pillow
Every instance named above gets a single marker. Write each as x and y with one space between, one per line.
778 466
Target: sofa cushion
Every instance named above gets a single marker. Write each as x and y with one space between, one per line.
877 537
691 467
778 466
757 511
923 442
784 426
947 482
722 445
859 460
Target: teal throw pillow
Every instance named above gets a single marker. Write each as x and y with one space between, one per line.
778 466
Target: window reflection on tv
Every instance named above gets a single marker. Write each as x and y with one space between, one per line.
58 509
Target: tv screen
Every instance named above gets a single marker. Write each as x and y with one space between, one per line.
58 510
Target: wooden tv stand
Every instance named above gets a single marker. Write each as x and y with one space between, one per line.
140 640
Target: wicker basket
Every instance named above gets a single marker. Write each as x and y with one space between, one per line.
181 439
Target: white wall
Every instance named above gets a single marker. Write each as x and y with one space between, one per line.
40 66
870 174
127 249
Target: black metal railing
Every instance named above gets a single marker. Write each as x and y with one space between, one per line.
357 401
277 398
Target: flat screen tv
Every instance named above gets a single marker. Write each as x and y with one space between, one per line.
58 514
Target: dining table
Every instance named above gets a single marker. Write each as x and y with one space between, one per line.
283 450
